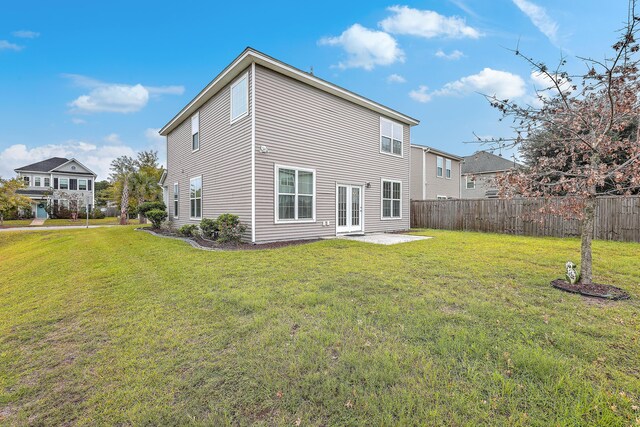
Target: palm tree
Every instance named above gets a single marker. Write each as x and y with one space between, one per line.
145 186
123 169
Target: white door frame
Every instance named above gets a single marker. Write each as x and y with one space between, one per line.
349 228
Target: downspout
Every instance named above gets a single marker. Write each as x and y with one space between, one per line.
253 152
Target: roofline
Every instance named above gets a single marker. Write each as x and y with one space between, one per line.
493 171
163 177
250 55
73 159
436 151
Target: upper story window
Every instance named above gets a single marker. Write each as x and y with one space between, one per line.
64 183
27 180
295 194
195 197
390 137
439 166
176 199
47 182
447 168
240 98
37 181
391 199
195 132
471 182
82 184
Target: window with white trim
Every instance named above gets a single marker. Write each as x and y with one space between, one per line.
27 180
240 98
439 197
82 184
176 200
390 137
439 166
391 199
295 194
37 181
47 182
64 183
471 182
447 168
195 132
195 197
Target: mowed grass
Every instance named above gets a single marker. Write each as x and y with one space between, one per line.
113 326
63 222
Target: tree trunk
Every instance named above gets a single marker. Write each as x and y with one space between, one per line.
1 220
124 203
141 218
586 274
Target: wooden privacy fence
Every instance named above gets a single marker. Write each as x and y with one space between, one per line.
617 218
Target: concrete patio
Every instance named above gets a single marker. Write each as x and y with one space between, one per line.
385 238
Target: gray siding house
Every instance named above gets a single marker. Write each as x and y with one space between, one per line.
479 172
435 174
296 157
57 181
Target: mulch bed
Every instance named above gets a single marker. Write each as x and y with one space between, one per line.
593 290
229 246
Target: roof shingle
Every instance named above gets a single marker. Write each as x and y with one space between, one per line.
44 165
483 161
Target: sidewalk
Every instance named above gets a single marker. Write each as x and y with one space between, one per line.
53 227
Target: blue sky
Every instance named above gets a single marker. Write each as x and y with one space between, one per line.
95 80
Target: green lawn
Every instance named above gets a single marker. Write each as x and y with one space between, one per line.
59 222
113 326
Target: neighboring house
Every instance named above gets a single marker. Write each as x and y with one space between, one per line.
296 157
479 172
57 182
434 174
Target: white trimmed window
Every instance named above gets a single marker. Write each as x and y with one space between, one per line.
27 180
471 182
195 197
64 183
47 182
390 137
439 166
82 184
295 198
176 200
195 132
37 181
391 199
439 197
240 98
447 163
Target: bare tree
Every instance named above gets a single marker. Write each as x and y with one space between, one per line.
588 124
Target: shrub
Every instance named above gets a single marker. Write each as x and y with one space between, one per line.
148 206
188 230
208 227
156 216
230 228
93 214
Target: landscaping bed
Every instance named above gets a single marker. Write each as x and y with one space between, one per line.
592 290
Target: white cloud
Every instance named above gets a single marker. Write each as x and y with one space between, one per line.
426 23
96 157
421 95
25 34
396 78
502 84
78 121
158 143
113 138
539 18
5 45
366 48
456 54
543 83
115 97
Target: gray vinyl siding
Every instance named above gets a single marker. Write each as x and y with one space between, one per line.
484 183
416 173
434 186
304 127
223 161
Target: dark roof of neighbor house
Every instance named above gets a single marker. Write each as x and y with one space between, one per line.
33 192
44 165
483 162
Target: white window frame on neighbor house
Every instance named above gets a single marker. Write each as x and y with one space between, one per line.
195 132
296 194
440 197
176 200
27 180
37 181
468 181
66 183
192 199
80 184
244 80
395 127
47 181
447 168
392 199
439 166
